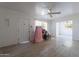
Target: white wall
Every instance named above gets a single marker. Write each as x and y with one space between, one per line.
52 27
18 29
8 34
76 21
76 29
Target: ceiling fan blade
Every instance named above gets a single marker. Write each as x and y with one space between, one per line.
50 15
55 13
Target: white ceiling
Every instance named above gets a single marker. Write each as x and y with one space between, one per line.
35 8
23 6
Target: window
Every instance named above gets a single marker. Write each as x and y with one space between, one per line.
41 23
68 24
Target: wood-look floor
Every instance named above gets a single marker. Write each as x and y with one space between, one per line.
49 48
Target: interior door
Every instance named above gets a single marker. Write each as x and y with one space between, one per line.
24 31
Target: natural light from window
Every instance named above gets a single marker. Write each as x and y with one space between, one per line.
41 23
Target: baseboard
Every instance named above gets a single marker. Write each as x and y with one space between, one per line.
24 42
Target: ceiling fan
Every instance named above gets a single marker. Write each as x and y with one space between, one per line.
50 12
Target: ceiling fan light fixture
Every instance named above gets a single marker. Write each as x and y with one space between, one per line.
48 11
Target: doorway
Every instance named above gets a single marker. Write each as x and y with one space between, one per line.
64 31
